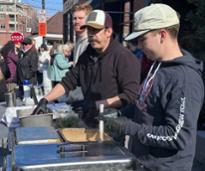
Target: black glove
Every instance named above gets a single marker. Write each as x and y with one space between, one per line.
41 107
84 107
117 125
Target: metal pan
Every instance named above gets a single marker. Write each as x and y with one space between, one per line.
24 112
42 120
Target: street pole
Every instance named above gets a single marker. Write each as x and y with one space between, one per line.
43 9
15 15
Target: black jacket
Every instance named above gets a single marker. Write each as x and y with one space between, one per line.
5 71
164 132
27 66
115 72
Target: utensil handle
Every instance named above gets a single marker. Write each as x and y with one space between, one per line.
33 95
101 130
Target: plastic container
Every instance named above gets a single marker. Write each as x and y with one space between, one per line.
26 88
27 93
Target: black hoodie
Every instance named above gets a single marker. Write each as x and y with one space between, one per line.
164 131
108 74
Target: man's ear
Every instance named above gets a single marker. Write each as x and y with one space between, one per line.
109 31
163 34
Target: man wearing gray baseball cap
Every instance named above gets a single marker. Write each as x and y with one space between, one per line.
163 133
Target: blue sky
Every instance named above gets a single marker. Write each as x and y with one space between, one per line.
52 6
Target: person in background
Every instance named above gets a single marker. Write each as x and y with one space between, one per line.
44 61
106 74
53 52
40 72
145 63
163 130
61 63
4 73
27 65
80 13
10 54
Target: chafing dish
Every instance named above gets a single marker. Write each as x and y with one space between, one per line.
76 157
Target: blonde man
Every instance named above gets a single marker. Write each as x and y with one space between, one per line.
80 13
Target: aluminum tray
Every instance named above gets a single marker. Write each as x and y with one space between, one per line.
77 135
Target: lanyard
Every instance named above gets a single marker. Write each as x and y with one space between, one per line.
148 82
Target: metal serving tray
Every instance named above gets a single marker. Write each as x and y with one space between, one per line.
92 156
32 135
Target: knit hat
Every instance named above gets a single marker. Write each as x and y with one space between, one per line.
27 41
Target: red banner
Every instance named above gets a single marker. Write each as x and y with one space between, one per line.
42 29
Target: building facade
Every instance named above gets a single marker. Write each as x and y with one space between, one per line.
15 16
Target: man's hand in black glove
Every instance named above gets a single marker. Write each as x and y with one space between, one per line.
117 125
41 107
83 107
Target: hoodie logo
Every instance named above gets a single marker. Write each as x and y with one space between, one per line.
178 127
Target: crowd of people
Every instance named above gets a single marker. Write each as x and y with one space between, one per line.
22 61
157 83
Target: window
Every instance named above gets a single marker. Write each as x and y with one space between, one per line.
11 17
2 26
10 8
12 27
1 7
2 16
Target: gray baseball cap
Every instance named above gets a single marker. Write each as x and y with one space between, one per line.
154 16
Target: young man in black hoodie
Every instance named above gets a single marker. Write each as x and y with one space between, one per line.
163 131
